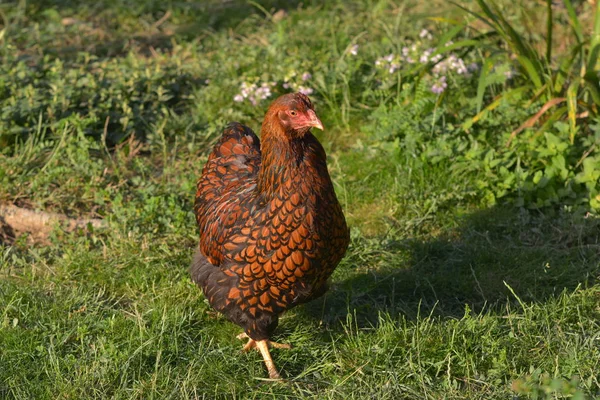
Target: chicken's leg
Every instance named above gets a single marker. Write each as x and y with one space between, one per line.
263 347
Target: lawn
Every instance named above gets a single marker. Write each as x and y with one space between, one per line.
474 260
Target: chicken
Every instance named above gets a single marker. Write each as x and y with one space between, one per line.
271 228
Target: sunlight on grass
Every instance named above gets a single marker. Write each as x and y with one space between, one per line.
473 264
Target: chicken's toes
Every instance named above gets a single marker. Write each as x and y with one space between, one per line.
280 345
249 346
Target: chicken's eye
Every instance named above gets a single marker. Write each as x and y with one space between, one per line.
293 113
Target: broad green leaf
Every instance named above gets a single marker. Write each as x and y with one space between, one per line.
591 170
552 140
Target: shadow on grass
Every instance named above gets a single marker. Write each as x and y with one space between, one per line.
492 254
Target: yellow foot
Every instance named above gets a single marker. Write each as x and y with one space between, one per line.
263 347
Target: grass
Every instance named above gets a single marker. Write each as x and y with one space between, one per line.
108 113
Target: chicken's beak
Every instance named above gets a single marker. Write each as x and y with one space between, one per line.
314 121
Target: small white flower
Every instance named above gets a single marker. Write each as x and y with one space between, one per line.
439 86
306 76
263 92
437 89
353 50
238 98
460 67
425 34
425 56
305 90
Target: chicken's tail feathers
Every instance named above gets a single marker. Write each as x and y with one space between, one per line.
237 140
238 131
200 268
238 145
228 181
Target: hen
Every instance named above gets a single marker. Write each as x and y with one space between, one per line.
271 228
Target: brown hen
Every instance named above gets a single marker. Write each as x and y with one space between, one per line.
271 228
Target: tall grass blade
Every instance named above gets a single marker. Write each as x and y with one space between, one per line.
505 29
572 108
482 84
592 86
577 29
594 53
489 13
531 121
494 104
517 44
521 46
558 114
564 69
531 71
549 32
574 21
476 15
446 37
463 43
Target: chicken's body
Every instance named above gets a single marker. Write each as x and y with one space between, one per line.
271 228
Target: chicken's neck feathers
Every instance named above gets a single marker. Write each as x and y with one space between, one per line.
301 161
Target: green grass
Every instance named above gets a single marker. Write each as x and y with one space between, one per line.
442 294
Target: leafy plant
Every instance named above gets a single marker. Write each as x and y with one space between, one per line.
540 385
568 89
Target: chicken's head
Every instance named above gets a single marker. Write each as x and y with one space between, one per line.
293 114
